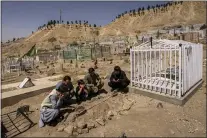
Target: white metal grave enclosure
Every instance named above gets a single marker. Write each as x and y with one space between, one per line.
170 68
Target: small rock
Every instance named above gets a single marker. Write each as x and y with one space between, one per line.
60 128
71 117
172 132
100 121
75 133
99 96
159 105
110 115
123 112
127 106
114 94
82 66
115 113
79 130
90 124
191 131
93 99
81 124
102 134
69 130
36 108
75 128
85 130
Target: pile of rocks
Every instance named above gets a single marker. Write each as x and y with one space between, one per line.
80 125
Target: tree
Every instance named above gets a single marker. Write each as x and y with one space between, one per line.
62 21
58 22
153 7
68 22
14 39
148 8
80 22
125 12
130 12
94 25
71 22
143 10
76 22
54 22
89 25
32 32
134 12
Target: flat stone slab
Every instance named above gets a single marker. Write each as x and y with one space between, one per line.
41 85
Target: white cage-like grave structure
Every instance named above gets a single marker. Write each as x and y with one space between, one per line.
172 68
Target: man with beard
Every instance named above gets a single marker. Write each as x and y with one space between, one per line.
118 79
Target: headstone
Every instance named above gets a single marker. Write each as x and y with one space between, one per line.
27 82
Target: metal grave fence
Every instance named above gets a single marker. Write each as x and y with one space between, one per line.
172 68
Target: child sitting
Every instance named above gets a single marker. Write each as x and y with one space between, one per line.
81 91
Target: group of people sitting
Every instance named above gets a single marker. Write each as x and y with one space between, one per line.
87 87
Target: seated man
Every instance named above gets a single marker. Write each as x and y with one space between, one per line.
118 79
50 107
81 91
69 92
93 81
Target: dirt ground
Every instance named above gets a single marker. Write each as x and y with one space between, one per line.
141 119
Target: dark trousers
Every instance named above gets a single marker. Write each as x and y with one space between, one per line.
121 84
80 97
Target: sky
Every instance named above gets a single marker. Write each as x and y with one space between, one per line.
20 18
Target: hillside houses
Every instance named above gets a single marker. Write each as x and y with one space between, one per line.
169 31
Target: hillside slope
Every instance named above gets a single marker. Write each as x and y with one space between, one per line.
188 13
182 14
49 38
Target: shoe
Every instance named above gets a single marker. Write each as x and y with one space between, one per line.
52 123
116 90
112 90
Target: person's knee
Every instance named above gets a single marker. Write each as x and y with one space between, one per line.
110 84
100 85
56 112
124 84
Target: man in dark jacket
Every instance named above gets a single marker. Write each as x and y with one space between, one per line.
69 92
81 91
118 79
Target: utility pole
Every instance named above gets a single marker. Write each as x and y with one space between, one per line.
60 16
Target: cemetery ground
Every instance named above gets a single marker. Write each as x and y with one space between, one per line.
128 113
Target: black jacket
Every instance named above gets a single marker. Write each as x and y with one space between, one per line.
121 76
